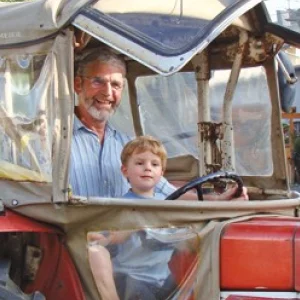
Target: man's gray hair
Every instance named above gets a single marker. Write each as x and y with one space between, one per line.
100 54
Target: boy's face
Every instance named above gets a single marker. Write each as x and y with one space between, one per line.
143 170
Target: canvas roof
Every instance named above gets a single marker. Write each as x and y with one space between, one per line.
28 21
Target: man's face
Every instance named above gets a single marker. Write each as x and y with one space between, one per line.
100 89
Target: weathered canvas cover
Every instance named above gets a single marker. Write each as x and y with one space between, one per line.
31 21
39 182
84 215
204 219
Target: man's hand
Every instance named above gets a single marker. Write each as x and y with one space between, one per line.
228 195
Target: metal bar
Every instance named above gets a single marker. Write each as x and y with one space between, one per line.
289 79
227 145
202 73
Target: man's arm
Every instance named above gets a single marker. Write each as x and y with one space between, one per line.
228 195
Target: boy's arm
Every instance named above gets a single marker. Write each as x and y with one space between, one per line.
105 238
102 270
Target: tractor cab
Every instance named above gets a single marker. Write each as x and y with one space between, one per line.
203 79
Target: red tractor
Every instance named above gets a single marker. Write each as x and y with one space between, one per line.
201 77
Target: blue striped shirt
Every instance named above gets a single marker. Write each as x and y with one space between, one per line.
95 169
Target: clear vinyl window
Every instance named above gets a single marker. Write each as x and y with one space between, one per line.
168 106
147 263
25 110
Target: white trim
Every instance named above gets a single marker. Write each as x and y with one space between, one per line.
262 294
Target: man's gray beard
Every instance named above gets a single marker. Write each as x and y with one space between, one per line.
100 115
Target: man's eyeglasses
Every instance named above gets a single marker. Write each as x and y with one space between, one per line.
98 83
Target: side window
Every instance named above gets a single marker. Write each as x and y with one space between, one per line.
25 132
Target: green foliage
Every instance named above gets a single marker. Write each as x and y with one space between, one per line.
297 145
286 132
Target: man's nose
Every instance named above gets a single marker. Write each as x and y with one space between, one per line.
106 89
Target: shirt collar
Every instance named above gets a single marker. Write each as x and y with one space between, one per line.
109 129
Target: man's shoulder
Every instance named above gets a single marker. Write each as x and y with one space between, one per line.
118 134
124 136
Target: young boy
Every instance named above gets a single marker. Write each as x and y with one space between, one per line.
141 266
140 257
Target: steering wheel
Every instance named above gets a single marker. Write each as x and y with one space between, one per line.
214 177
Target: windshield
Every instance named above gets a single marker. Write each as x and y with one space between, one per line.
168 108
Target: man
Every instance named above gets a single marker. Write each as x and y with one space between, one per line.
96 145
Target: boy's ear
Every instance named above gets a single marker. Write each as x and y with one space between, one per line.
124 170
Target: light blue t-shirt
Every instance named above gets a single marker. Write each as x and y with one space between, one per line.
131 195
142 256
95 169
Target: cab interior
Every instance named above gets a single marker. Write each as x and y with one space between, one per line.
220 112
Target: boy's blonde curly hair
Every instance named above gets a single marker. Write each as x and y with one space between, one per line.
142 144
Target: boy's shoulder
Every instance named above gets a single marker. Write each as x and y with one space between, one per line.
159 196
